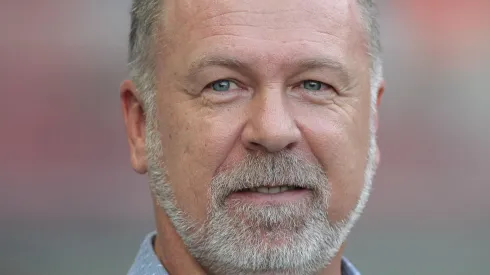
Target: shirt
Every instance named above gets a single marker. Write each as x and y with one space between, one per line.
147 262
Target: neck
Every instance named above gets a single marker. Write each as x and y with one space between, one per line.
174 256
171 250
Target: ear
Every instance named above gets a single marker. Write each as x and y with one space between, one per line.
135 122
381 90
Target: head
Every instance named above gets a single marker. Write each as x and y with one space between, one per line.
256 123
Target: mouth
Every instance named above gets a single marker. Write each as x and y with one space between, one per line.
265 195
271 190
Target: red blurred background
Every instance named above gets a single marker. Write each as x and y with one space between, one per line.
70 202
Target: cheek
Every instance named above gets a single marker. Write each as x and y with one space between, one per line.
195 144
340 144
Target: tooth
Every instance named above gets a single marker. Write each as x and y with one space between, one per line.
284 188
264 190
274 190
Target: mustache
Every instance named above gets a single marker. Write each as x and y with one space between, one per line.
269 170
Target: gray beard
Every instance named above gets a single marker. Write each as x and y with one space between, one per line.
246 239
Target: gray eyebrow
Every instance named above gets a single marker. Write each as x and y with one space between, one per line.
325 63
299 66
212 60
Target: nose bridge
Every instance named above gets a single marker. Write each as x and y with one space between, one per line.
270 113
271 125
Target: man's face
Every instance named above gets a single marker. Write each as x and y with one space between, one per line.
262 130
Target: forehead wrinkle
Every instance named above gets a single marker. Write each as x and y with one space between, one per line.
275 51
260 14
228 16
273 34
284 31
192 15
273 21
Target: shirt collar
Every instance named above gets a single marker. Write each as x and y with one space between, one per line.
147 263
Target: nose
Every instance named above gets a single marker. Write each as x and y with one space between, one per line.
270 126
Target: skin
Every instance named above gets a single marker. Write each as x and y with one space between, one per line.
267 111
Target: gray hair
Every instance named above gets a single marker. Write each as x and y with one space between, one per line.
145 15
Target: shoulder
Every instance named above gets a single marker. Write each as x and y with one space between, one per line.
348 268
146 261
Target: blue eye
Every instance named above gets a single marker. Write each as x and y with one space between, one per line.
313 85
223 85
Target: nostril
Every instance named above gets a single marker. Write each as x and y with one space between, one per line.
291 145
256 146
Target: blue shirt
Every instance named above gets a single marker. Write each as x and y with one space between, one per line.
147 263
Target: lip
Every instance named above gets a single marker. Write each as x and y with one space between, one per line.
256 198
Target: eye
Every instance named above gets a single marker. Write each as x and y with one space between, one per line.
313 85
223 85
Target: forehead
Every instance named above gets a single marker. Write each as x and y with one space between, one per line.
265 29
278 11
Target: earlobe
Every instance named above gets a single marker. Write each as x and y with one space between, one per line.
134 120
381 90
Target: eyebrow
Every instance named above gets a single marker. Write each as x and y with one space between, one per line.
325 63
214 61
299 66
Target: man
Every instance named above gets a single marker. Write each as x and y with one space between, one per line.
255 121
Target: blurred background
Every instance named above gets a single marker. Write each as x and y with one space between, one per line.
70 203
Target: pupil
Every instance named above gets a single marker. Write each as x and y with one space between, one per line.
222 85
313 85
